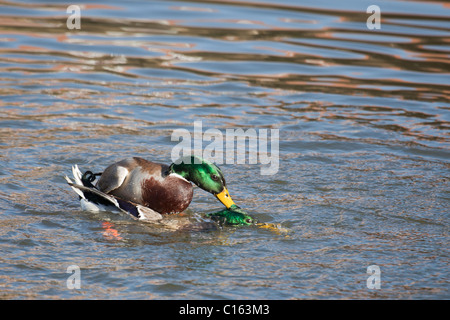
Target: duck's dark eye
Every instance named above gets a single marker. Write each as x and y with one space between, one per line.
249 221
215 177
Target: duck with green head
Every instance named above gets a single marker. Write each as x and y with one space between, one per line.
139 186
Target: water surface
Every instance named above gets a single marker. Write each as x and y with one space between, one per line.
363 118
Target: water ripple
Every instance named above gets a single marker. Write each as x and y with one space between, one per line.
364 145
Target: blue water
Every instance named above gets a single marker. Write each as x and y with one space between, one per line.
363 119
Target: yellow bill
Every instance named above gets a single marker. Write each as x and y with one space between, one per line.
274 227
225 198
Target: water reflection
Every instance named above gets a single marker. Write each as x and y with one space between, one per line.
342 59
363 119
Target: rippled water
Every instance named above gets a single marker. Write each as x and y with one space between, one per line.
363 119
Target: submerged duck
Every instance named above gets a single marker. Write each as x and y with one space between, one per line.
149 190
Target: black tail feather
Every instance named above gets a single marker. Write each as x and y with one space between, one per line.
97 197
88 177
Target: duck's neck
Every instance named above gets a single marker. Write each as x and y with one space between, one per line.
181 169
186 167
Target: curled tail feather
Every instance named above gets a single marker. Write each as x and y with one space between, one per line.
92 199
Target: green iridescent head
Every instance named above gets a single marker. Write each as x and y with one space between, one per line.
232 216
205 175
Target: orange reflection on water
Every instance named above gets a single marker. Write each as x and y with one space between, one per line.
110 233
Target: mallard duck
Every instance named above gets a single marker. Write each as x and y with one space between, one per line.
149 190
